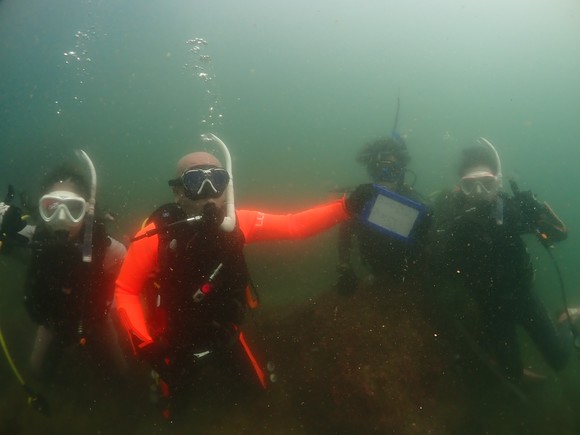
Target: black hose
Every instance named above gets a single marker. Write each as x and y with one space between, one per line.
546 244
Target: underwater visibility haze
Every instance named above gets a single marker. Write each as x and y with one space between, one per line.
294 88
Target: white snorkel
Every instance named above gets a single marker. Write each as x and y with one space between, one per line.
499 179
229 221
88 237
499 175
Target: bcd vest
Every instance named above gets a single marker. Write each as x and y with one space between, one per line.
62 290
200 290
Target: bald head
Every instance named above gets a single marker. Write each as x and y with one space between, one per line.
196 159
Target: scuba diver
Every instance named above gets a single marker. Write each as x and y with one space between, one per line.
385 256
477 240
193 247
70 279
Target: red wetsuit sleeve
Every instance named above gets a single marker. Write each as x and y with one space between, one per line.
258 226
139 265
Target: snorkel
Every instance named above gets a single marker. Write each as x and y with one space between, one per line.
499 175
396 174
88 236
229 221
394 133
499 180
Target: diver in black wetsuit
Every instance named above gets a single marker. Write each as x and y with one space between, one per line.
477 239
384 256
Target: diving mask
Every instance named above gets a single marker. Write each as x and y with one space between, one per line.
388 168
479 183
200 183
62 210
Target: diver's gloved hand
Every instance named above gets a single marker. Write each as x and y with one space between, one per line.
530 207
347 280
10 221
10 194
357 199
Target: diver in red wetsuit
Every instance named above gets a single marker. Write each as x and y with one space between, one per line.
193 248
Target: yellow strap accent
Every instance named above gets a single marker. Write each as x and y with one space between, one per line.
9 358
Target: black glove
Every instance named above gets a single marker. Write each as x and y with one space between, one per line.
530 207
9 195
11 221
347 280
357 199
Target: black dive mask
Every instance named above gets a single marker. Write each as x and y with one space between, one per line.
200 183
